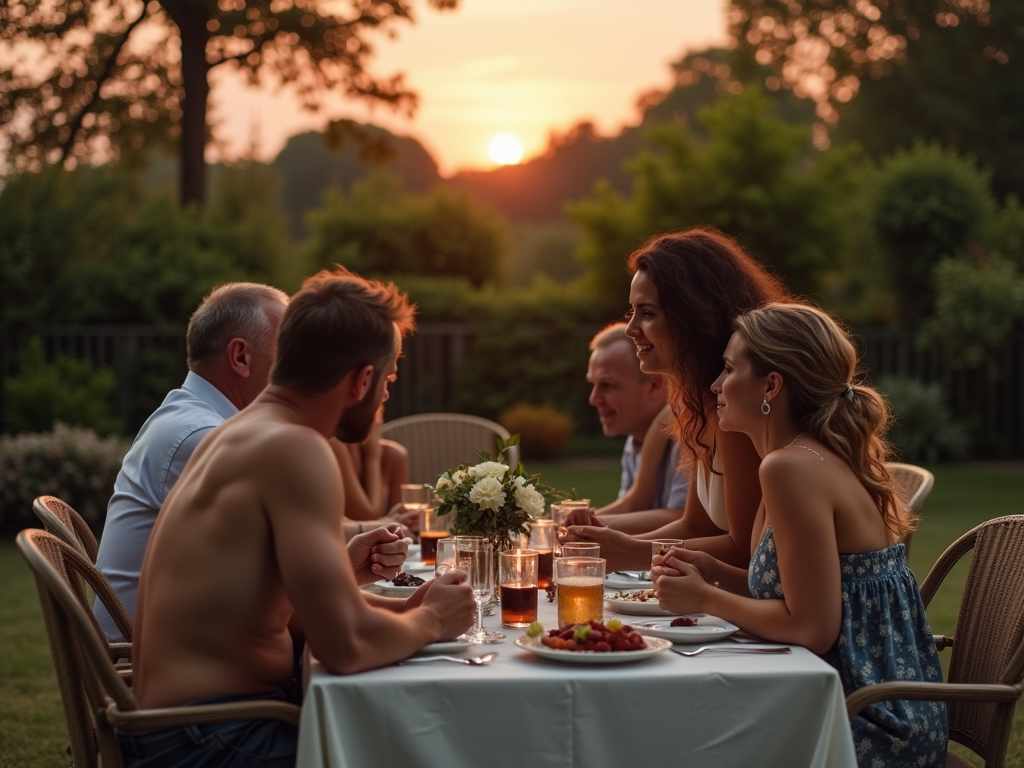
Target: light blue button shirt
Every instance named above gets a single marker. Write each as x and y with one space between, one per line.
671 486
150 469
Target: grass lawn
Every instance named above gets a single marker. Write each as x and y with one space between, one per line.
32 731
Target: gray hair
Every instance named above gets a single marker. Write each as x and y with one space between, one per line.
613 334
233 310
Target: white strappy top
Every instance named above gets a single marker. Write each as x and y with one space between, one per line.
711 492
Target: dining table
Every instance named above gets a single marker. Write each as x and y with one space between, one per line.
525 711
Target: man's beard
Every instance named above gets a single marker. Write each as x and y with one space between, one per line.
356 422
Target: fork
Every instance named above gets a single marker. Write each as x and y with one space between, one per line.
475 661
733 649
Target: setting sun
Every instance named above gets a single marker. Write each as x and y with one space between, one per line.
505 149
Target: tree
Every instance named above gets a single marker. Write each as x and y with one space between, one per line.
89 79
380 228
887 72
928 204
749 178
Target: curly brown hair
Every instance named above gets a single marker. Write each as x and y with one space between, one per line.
705 280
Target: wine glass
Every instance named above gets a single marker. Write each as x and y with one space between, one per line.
475 556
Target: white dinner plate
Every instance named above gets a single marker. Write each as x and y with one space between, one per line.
446 646
707 630
654 645
415 565
636 608
390 590
617 581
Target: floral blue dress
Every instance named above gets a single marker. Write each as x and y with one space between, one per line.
884 636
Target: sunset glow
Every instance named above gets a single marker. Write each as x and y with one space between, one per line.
505 149
527 68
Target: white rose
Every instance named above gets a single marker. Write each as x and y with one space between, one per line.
520 481
443 482
488 469
530 500
487 494
458 476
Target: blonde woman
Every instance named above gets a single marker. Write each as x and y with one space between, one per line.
828 571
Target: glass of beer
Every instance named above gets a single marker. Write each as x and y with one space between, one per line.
581 549
661 546
445 556
580 582
433 528
542 541
517 575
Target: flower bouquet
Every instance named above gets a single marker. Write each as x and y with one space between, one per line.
492 499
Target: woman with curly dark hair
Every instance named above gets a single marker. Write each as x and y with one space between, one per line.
687 289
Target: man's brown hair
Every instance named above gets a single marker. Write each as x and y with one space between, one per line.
338 322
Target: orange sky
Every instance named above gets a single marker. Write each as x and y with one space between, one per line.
525 67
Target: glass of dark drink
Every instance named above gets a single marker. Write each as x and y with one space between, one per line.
517 576
543 541
433 527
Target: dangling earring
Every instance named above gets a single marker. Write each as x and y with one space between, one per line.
765 408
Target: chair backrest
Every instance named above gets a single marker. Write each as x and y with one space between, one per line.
86 674
915 485
60 519
440 441
988 645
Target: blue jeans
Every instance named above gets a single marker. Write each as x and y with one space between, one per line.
232 744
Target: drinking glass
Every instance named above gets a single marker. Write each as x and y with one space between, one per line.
517 577
475 556
661 546
580 582
446 559
433 528
581 549
543 541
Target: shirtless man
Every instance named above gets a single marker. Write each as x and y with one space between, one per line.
249 541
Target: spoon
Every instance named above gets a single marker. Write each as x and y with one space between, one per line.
474 661
733 649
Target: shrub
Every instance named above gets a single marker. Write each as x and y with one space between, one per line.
543 430
924 430
72 463
929 204
67 390
976 309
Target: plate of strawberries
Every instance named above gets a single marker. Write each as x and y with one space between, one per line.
591 643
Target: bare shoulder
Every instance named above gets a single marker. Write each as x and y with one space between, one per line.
792 469
396 449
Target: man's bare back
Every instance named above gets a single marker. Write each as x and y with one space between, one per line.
251 534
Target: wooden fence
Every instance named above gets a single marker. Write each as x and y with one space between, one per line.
429 373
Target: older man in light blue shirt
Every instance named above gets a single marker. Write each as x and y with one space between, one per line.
231 345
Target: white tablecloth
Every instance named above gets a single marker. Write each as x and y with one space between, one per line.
526 712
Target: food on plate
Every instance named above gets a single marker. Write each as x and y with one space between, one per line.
406 580
536 629
684 621
595 637
636 596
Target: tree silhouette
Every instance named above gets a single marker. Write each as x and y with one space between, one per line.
890 71
86 80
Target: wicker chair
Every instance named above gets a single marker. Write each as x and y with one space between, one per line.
60 519
96 698
986 670
915 485
440 441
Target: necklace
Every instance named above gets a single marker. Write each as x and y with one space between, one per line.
792 444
